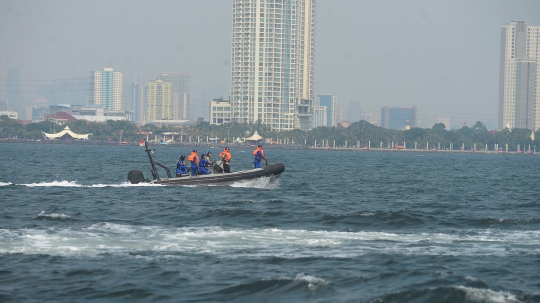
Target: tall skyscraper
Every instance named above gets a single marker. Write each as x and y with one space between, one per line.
181 90
272 62
519 80
330 102
159 99
106 88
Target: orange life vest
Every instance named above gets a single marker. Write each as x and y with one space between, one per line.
225 154
193 157
258 149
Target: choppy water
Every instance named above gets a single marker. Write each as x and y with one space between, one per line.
337 226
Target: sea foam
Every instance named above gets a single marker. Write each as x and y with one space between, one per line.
260 243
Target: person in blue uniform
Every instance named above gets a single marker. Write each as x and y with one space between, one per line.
203 165
259 155
194 159
181 167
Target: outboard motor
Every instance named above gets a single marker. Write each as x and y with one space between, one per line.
135 176
217 166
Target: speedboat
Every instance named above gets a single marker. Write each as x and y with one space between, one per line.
136 176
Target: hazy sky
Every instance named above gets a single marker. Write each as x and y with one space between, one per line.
442 56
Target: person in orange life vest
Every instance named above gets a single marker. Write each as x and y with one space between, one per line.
259 154
226 156
194 158
203 164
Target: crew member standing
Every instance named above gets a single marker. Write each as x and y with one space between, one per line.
259 154
194 159
226 156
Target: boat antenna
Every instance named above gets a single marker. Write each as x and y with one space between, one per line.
150 152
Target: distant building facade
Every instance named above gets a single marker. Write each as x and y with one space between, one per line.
445 121
320 116
181 94
220 111
138 101
354 111
159 100
398 118
519 79
272 63
10 114
107 88
330 102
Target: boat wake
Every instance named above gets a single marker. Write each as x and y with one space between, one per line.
263 183
65 183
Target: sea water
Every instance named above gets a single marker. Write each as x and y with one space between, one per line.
336 226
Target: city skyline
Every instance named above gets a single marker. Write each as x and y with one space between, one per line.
441 57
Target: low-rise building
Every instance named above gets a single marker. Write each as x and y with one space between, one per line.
220 111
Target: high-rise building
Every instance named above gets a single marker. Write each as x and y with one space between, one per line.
354 111
106 88
138 101
181 90
159 99
272 62
330 102
519 79
398 118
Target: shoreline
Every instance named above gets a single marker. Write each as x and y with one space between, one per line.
267 146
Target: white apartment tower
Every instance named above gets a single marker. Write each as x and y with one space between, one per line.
519 81
106 88
272 63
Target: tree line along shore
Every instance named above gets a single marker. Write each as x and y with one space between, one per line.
359 135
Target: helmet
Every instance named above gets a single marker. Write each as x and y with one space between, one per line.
227 148
194 151
209 153
182 157
259 145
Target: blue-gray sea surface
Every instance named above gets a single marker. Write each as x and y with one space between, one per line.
336 226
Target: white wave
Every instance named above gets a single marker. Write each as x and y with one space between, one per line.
310 279
256 243
5 183
487 295
263 182
55 216
65 183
